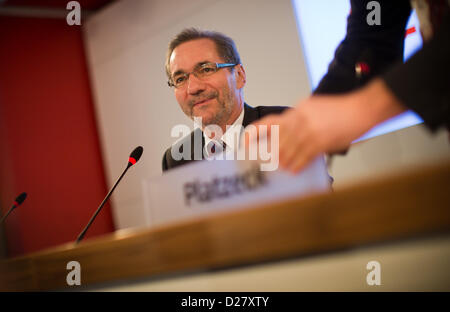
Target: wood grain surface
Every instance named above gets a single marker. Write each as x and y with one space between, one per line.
408 205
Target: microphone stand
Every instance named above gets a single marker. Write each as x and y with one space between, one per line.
6 215
80 237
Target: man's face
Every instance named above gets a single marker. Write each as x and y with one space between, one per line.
214 98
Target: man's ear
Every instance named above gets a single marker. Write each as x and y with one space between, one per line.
241 78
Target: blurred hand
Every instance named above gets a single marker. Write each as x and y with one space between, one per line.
328 124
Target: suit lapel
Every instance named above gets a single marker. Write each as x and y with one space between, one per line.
250 115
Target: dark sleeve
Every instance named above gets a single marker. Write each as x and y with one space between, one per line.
379 46
423 82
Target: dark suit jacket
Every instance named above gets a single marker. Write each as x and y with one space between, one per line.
422 83
251 114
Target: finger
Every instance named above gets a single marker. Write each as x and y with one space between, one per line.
290 149
303 159
292 140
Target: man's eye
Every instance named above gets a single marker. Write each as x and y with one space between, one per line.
206 70
179 80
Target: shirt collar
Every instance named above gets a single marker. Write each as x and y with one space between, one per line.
232 134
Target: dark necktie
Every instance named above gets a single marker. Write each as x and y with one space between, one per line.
216 147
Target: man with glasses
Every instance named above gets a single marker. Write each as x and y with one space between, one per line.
205 71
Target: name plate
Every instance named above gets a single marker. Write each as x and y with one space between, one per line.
205 187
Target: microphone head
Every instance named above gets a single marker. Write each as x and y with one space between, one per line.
135 155
20 198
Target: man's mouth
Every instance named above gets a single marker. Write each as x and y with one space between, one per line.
202 102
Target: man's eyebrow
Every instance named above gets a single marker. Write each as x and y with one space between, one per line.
180 72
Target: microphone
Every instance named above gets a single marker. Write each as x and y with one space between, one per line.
19 200
134 157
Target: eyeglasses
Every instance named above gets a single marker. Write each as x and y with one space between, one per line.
200 71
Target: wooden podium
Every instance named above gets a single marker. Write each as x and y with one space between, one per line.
315 243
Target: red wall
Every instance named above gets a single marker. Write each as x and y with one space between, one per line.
49 145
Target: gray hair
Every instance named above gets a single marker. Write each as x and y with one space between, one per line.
225 46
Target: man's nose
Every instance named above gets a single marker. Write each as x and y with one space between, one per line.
195 85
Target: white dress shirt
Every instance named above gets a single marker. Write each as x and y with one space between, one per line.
231 137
